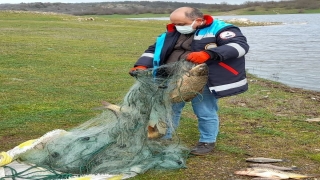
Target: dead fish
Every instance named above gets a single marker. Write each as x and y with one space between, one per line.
191 84
114 108
313 120
153 131
271 173
106 105
264 160
110 106
274 167
264 178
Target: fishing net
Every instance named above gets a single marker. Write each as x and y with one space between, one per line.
125 139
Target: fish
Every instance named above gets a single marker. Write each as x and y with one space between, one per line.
153 129
271 173
190 84
274 167
264 160
313 120
153 132
114 108
265 178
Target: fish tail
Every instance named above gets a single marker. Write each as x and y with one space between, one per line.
285 160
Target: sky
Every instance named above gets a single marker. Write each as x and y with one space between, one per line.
88 1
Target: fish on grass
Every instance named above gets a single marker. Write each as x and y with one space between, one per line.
273 167
264 178
314 120
272 173
265 160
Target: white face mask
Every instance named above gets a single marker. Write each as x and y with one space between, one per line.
188 29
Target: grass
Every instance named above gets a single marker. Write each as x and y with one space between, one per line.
55 68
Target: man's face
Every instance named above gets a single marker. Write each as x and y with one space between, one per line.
184 21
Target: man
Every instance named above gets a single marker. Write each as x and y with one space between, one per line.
200 39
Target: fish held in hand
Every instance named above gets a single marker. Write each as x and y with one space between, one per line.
190 84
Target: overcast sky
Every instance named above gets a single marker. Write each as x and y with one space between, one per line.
86 1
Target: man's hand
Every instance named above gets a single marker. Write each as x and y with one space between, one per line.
198 57
133 71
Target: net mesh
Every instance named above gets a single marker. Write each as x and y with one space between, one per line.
116 141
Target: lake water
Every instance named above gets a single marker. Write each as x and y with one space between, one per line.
287 53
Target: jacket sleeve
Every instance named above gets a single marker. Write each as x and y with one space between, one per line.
146 59
231 43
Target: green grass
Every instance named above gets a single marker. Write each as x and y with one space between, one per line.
55 68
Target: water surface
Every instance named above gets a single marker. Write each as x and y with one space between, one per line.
288 53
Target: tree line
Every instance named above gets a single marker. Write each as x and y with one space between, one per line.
154 7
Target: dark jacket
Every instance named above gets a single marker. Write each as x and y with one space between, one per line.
227 46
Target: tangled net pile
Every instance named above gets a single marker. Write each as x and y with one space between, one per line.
115 142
